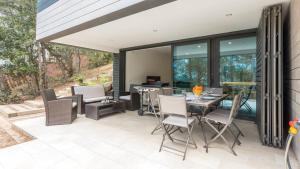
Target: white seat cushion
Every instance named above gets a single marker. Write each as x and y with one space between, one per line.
95 99
74 104
178 121
125 97
89 92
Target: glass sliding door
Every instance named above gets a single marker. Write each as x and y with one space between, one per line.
190 65
237 71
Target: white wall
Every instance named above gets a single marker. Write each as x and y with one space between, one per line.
147 62
293 65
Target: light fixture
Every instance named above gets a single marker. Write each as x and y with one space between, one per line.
228 15
229 43
199 46
187 53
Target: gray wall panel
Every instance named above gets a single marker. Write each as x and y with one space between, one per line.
292 88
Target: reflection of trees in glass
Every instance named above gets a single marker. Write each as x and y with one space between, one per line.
192 70
237 68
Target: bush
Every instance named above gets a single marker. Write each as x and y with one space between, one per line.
99 59
7 97
78 78
103 78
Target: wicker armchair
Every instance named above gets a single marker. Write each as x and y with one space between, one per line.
60 110
131 98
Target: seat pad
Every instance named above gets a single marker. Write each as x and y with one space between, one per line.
94 99
219 115
128 98
178 121
74 104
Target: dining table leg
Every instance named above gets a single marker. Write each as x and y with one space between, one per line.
203 130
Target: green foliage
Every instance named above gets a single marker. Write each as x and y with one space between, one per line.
237 68
26 57
78 78
7 96
97 59
103 78
17 34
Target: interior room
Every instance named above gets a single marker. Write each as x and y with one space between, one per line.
154 63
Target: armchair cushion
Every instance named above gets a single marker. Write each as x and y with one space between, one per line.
74 104
95 99
89 92
128 98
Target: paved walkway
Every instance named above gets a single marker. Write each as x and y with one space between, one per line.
123 141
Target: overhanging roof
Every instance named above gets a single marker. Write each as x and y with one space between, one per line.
176 20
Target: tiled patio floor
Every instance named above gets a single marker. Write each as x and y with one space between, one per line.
124 141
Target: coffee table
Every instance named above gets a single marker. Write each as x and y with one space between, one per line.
98 109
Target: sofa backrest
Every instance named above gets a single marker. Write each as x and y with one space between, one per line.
89 91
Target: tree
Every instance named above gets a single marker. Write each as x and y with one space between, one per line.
27 59
63 56
17 34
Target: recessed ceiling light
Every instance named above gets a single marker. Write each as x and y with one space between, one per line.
229 14
229 43
199 46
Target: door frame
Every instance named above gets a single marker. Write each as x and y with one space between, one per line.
211 39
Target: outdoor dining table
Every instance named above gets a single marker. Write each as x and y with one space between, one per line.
205 104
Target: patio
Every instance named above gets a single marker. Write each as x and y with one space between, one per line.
124 141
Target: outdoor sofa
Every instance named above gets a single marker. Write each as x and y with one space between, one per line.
90 94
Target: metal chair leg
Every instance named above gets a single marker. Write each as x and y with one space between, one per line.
242 134
192 136
188 140
219 135
204 135
236 137
167 132
157 127
186 145
162 141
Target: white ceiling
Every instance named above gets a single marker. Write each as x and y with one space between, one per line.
173 21
163 50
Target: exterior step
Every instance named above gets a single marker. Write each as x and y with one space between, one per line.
11 134
14 110
34 103
28 116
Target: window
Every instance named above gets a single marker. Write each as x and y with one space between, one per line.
237 60
190 65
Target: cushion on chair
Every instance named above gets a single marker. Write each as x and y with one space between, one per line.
128 98
177 121
219 116
222 112
90 92
74 104
95 99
